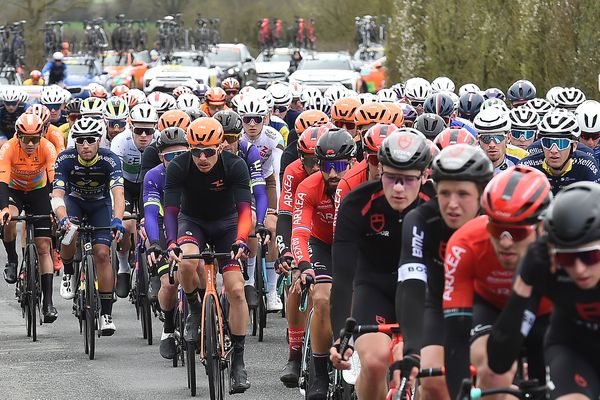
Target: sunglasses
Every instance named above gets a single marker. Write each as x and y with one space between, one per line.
86 140
232 92
116 123
338 166
143 131
30 138
309 162
53 107
560 143
231 137
587 255
73 117
249 119
11 103
171 155
373 159
216 107
345 124
408 123
515 233
487 139
207 151
590 136
404 180
525 134
280 109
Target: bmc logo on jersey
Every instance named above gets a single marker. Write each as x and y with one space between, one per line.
377 222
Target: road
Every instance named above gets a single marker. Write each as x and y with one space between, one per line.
125 367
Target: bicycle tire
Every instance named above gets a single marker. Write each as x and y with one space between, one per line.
305 363
90 305
183 312
33 282
191 368
254 320
177 336
259 283
142 293
212 354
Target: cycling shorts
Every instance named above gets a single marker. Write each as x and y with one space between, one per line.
132 196
374 299
97 212
320 258
34 202
221 234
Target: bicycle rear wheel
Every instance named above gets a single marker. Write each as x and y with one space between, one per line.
212 353
90 305
33 282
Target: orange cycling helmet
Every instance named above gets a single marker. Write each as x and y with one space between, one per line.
215 96
375 135
396 114
343 109
372 113
230 84
205 131
119 90
308 139
309 118
29 124
450 136
174 118
41 111
517 196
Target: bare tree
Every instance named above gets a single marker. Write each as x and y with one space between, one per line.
170 6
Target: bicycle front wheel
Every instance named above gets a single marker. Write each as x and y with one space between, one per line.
212 353
91 299
33 283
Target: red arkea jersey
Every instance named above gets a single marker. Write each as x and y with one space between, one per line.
293 175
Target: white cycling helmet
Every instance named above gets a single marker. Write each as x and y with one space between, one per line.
53 94
247 90
11 94
309 92
551 94
143 114
162 101
559 123
399 88
569 98
92 107
588 116
188 101
86 127
266 96
417 89
334 93
116 108
318 103
296 90
281 95
365 98
442 83
139 95
387 96
468 88
540 106
523 118
252 105
236 100
58 56
493 102
492 120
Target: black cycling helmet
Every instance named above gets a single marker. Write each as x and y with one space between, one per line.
172 136
195 114
335 144
430 125
405 148
231 121
440 104
469 105
521 91
73 106
573 218
462 162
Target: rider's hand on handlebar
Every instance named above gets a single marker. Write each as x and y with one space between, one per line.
283 264
119 229
5 216
263 234
175 253
143 231
336 358
154 253
306 272
408 366
240 250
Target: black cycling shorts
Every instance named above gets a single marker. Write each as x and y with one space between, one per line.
374 299
132 196
97 212
320 258
220 233
34 202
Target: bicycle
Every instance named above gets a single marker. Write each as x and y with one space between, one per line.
181 312
303 380
284 282
28 287
258 315
528 389
140 281
215 347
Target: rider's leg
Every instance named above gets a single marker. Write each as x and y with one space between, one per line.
374 353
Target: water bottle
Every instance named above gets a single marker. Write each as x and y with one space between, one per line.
68 237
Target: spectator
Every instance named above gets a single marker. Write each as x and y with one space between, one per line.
55 71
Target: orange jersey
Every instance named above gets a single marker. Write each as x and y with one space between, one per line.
56 137
205 110
27 172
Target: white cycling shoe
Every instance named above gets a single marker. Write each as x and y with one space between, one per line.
67 287
274 302
107 326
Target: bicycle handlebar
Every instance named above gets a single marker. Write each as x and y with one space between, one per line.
529 389
31 218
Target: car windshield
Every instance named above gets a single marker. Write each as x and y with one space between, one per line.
262 57
331 63
116 60
190 61
78 69
226 54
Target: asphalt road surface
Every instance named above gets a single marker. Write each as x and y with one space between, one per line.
125 366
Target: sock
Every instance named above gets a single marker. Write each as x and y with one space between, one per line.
169 325
68 267
271 277
46 280
11 251
251 266
194 302
296 336
320 361
106 303
124 267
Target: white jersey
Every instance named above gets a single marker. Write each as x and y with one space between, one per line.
267 144
131 157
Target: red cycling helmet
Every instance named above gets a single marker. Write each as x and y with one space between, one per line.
517 196
230 84
375 135
308 139
451 136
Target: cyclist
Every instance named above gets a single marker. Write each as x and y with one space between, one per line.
72 110
129 146
312 228
171 143
231 86
268 141
450 136
520 93
558 133
207 200
366 253
54 97
480 260
343 112
86 178
588 119
214 101
272 120
282 98
26 167
460 172
51 132
12 107
295 173
365 117
523 126
55 71
564 265
232 128
35 79
493 127
116 113
469 105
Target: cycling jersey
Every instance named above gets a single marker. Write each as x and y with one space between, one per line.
154 184
251 156
24 172
65 129
211 196
289 155
270 145
359 173
290 120
57 138
204 108
293 175
280 126
123 145
536 148
30 82
7 120
512 157
313 216
54 73
88 180
581 167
